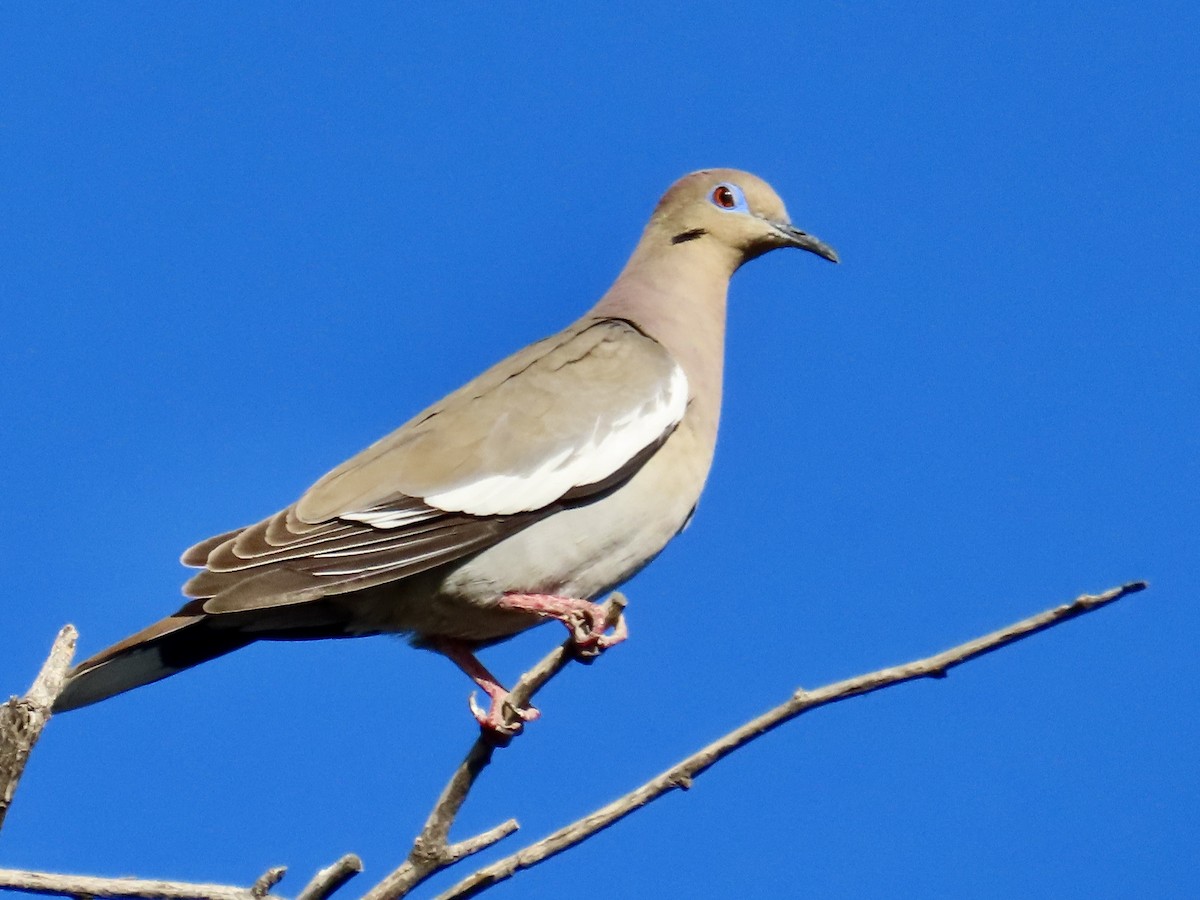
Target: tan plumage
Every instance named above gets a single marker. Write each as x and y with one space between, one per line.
561 471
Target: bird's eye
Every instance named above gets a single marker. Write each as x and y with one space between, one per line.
728 196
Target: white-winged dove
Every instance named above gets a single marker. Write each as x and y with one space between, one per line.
548 480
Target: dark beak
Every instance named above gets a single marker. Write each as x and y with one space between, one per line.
794 237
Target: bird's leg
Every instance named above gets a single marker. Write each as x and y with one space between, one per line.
584 619
460 654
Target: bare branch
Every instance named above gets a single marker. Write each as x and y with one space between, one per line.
682 774
331 878
473 845
88 886
431 851
322 885
23 718
21 721
267 880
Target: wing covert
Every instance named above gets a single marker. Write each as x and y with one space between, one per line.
566 413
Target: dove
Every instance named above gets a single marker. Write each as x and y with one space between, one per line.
520 498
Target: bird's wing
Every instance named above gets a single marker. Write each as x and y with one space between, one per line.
567 417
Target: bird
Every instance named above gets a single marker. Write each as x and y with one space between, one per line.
545 482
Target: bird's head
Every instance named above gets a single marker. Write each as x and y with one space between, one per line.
735 209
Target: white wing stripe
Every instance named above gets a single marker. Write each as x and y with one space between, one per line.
604 452
593 461
382 517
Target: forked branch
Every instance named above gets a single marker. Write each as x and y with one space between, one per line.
681 775
432 852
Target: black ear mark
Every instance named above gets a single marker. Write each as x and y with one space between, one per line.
690 235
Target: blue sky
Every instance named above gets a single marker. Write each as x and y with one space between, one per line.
243 241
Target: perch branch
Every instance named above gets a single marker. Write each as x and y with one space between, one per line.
432 851
682 774
23 718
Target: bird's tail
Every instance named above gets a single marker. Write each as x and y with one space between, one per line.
176 643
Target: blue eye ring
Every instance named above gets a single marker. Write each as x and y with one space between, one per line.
728 197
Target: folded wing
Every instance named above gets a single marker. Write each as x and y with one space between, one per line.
558 422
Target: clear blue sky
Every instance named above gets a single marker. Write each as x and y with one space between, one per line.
242 241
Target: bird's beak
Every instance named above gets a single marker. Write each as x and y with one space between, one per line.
794 237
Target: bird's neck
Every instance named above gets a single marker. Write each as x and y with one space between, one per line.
676 294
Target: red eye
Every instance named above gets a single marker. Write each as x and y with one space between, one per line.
723 197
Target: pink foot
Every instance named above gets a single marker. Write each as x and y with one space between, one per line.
584 619
497 718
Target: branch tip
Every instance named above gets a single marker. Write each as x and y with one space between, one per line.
53 674
471 846
267 880
329 879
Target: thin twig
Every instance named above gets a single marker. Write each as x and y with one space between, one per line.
23 718
682 774
431 851
331 878
267 880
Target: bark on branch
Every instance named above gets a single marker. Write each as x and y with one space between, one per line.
322 885
23 718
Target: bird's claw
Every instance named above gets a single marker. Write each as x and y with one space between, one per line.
589 631
502 718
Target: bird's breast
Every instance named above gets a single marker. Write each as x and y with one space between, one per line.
580 552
